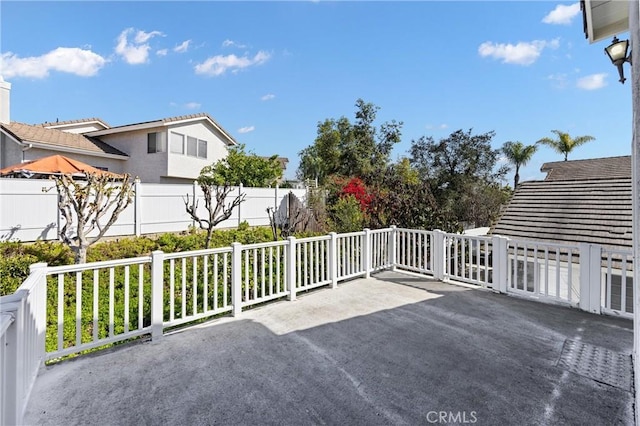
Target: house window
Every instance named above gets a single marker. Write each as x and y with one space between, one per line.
177 143
156 142
202 149
188 145
192 146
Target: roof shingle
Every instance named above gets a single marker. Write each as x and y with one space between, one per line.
596 211
39 134
594 168
78 121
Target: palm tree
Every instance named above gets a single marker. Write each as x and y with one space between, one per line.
519 155
565 143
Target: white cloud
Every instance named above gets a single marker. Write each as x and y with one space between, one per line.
188 105
183 47
72 60
562 15
219 64
268 97
246 129
558 80
231 43
136 51
436 126
143 37
592 82
523 53
162 52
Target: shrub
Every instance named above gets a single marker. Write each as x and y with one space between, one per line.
14 270
346 215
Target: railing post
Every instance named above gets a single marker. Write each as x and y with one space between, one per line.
392 248
39 308
291 267
333 259
438 255
157 293
366 253
590 277
137 208
236 278
13 365
499 263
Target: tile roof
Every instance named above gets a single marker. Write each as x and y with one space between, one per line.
596 211
39 134
81 120
169 120
595 168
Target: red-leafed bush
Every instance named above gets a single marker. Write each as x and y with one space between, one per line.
357 188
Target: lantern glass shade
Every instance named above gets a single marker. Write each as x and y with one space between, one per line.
617 50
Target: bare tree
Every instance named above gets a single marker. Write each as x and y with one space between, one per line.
292 216
218 210
83 204
215 180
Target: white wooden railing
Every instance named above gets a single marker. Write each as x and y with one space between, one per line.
67 310
617 282
22 326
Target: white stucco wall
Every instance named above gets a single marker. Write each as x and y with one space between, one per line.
10 152
167 167
183 166
148 167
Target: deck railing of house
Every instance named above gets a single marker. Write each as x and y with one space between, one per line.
66 310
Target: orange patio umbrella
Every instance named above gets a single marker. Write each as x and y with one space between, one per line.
53 165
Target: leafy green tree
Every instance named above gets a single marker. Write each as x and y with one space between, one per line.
350 149
565 144
248 169
460 168
216 182
518 155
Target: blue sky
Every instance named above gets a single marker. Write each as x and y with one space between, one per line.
268 72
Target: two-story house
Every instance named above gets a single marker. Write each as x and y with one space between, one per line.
168 150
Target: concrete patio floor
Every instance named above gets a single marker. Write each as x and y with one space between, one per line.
393 349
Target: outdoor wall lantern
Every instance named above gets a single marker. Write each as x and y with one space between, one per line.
617 52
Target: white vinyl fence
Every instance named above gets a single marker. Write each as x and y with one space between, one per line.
28 209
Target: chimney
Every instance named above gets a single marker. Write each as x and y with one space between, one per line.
5 96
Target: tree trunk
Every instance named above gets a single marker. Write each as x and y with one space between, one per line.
516 178
209 233
80 254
